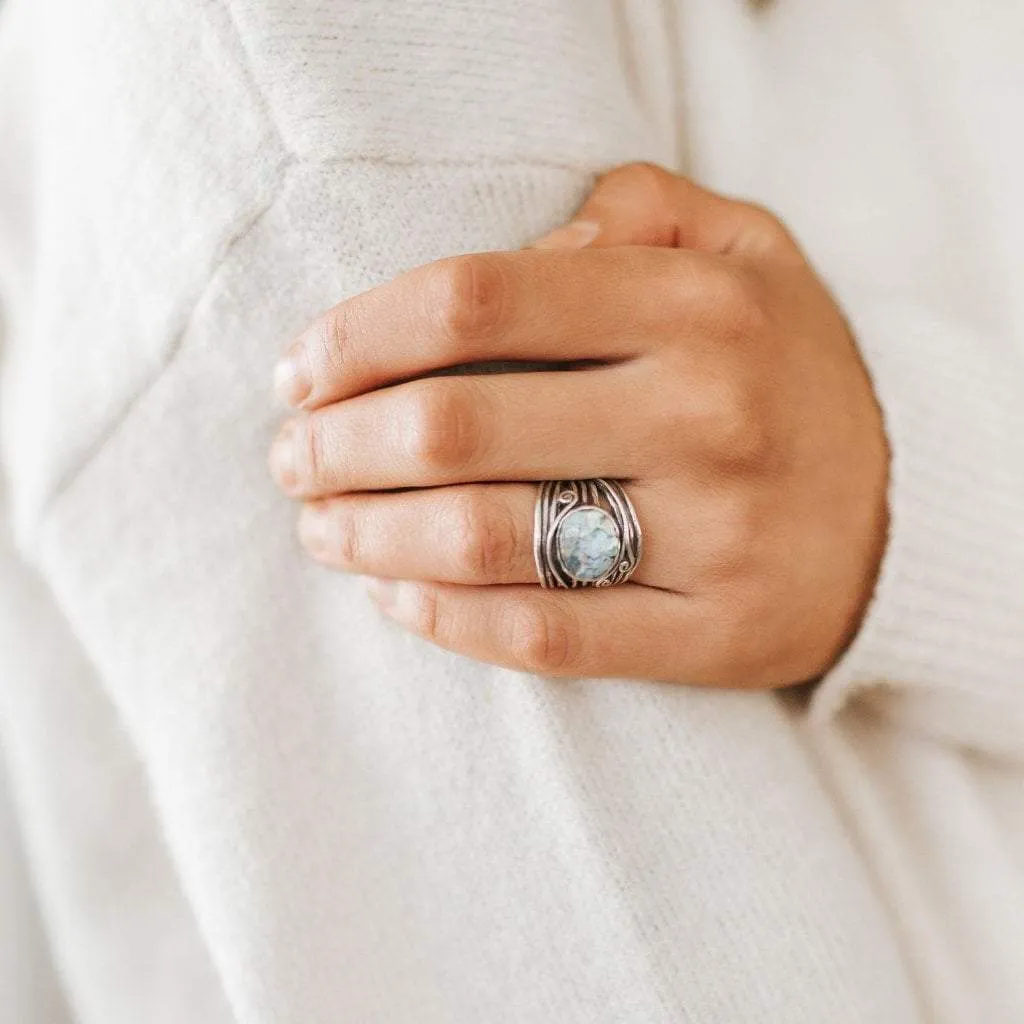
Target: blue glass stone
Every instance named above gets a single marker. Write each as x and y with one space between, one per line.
588 543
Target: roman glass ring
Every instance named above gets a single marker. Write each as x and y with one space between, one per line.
585 534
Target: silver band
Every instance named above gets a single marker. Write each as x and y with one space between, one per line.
585 534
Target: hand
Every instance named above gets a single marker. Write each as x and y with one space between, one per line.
709 369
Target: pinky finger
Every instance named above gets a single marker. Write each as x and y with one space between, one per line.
626 631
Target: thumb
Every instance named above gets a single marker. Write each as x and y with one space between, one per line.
643 204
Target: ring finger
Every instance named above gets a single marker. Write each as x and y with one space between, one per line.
475 534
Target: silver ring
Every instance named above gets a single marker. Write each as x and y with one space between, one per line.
585 534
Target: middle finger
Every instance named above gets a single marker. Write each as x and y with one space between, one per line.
518 426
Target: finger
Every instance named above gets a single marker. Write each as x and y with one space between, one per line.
643 204
627 631
476 534
523 426
484 307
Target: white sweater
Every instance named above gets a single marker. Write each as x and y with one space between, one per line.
237 795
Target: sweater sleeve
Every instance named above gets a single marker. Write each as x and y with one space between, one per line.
941 649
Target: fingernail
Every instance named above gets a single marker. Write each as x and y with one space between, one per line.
282 457
575 235
382 591
313 525
291 376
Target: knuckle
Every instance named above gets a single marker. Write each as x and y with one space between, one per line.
735 536
428 620
468 295
768 225
347 545
309 450
445 425
649 179
742 302
330 341
488 539
735 638
543 641
732 424
336 340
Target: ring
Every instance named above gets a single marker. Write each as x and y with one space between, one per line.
585 534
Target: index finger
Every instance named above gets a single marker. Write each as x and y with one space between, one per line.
604 305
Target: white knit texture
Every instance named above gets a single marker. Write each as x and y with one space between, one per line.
239 795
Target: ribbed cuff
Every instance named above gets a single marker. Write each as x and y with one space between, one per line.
941 648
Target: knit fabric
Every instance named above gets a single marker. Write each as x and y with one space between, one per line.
238 795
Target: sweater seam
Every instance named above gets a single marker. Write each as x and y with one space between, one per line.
375 159
66 481
484 163
248 223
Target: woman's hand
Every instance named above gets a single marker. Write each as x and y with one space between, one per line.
698 359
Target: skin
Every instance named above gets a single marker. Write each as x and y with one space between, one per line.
695 355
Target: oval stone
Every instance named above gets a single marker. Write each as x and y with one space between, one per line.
588 543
